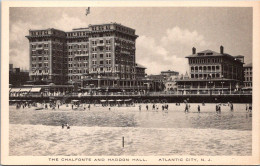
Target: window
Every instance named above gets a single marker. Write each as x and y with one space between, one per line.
94 55
108 61
101 62
108 41
108 55
108 48
101 55
94 43
94 62
94 48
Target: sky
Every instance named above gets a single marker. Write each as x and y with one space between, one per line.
166 34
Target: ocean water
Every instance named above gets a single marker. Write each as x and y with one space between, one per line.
99 131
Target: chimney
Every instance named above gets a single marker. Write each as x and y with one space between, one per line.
193 50
221 50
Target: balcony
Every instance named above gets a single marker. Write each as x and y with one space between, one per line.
100 44
81 55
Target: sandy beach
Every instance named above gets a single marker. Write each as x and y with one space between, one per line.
99 131
39 140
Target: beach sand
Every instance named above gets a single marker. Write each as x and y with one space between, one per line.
40 140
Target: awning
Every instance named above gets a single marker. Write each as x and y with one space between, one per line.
119 100
25 90
128 100
15 90
36 89
103 100
111 100
74 100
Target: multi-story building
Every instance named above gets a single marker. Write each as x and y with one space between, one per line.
47 55
248 74
212 72
17 77
98 57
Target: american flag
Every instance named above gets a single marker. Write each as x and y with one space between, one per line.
87 11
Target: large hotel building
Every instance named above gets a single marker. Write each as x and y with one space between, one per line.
213 72
99 56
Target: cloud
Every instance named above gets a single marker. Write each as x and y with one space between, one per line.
168 53
67 23
184 37
19 44
156 57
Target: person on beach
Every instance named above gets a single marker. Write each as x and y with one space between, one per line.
153 107
140 107
147 107
68 127
62 126
231 107
89 107
219 108
216 108
58 106
250 108
198 108
162 107
186 108
72 106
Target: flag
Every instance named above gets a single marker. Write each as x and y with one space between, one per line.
87 11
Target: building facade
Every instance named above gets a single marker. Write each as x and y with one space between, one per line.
17 77
95 57
212 72
248 76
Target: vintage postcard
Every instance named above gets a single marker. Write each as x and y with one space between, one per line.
130 83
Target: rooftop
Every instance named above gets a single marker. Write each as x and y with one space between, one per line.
210 53
139 66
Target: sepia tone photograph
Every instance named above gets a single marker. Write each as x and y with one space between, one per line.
130 81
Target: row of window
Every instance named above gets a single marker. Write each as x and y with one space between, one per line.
248 78
107 48
78 71
206 76
40 65
78 65
77 52
95 42
78 59
204 68
77 46
204 60
94 55
46 52
101 27
39 58
108 62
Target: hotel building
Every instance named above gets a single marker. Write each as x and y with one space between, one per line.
248 76
212 72
96 57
